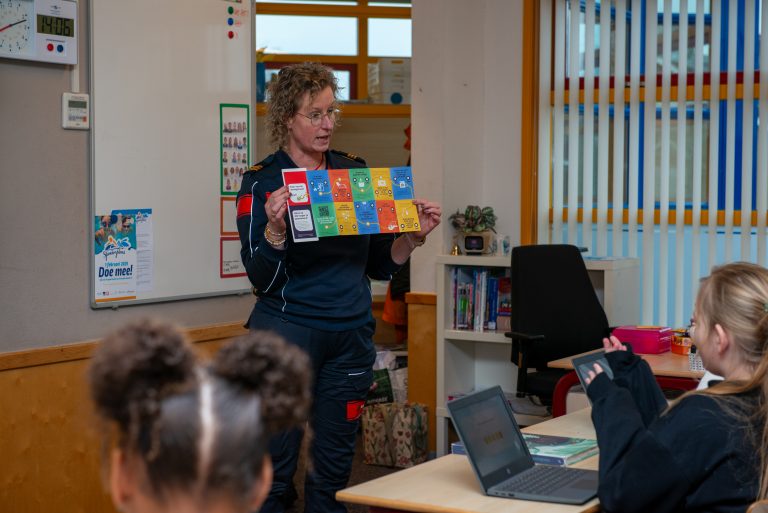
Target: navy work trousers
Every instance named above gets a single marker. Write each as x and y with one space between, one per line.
342 362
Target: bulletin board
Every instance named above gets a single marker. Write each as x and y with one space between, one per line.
172 82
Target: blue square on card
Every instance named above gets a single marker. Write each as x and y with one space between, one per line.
402 183
367 219
319 186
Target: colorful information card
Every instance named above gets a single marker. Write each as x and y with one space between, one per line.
362 201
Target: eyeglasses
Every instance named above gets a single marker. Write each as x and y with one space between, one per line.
316 118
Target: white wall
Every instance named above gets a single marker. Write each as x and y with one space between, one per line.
466 89
466 147
44 212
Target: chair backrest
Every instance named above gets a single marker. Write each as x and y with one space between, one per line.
553 296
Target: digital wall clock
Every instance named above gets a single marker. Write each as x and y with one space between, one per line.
39 30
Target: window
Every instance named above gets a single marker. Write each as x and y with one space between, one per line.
345 35
680 182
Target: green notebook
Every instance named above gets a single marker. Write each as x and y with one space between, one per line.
559 450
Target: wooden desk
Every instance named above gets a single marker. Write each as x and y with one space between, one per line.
449 485
664 364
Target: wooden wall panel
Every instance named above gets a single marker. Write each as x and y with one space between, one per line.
49 444
422 336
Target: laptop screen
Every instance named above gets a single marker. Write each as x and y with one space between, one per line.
490 435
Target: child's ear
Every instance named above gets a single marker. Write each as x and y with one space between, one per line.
722 339
121 480
262 485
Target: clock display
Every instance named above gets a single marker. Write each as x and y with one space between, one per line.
55 26
15 27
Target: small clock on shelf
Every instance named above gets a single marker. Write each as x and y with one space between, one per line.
39 30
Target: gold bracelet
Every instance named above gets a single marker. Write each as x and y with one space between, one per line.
414 243
275 243
281 234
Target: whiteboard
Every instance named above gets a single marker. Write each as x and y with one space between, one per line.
160 72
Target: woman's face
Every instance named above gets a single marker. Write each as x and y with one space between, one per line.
305 138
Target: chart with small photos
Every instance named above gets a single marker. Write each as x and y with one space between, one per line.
234 158
364 201
234 147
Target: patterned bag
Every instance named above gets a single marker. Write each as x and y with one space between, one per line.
395 434
377 424
410 435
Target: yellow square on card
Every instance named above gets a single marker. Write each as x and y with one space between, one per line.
382 183
407 216
346 218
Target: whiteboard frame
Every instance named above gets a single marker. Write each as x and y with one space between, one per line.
114 305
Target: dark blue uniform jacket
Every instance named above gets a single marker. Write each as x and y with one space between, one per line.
322 284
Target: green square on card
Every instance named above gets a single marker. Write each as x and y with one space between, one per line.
325 219
362 187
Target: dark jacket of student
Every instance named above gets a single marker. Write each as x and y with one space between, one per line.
694 457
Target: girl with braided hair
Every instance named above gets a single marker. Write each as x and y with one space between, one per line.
707 451
193 438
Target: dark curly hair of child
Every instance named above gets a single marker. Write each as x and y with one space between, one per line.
189 436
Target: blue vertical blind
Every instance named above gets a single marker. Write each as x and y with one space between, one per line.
649 138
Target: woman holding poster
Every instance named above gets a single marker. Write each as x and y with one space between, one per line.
316 294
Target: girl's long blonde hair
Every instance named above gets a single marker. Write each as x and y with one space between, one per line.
735 296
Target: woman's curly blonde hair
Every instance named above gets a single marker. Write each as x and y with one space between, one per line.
287 92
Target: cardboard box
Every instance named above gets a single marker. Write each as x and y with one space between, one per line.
389 81
646 339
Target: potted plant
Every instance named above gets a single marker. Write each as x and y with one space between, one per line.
475 228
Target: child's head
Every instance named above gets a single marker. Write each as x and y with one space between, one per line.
735 297
190 437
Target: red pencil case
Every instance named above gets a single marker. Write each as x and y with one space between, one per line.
646 339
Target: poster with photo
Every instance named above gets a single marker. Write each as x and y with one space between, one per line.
141 219
234 143
115 267
324 203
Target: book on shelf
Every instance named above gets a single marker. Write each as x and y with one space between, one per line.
550 450
478 300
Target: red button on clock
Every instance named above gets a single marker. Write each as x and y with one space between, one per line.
50 47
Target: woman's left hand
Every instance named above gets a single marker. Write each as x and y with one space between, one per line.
429 216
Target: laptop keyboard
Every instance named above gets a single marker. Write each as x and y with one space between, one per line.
540 479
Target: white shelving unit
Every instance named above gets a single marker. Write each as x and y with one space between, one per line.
466 359
472 360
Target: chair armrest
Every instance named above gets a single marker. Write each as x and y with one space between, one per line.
523 337
519 356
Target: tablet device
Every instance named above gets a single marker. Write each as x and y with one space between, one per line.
583 364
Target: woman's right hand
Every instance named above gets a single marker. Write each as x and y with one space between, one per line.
276 208
613 344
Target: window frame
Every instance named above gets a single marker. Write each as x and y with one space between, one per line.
357 64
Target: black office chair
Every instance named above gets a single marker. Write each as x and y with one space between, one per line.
555 314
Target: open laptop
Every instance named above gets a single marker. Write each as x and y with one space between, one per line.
501 460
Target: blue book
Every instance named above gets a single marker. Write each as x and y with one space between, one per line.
493 302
